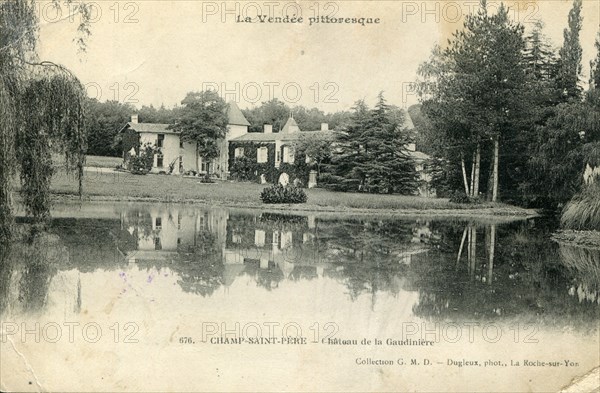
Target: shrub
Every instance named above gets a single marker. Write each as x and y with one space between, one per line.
460 197
244 169
583 211
142 163
280 194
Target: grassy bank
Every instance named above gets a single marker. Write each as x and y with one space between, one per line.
103 162
103 185
589 239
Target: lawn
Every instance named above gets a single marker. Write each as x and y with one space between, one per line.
102 162
103 184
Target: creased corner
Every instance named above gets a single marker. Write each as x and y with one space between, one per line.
587 383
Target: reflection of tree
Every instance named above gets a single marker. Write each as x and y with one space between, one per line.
529 279
91 243
287 222
370 252
268 278
40 255
6 269
201 267
584 263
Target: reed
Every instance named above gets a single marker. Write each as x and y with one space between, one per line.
583 211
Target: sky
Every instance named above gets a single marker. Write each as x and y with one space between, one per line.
152 52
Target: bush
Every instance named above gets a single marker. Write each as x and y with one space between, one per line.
461 197
583 211
142 163
280 194
244 169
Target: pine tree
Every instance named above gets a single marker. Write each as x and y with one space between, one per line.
539 57
595 66
569 64
371 155
386 165
347 152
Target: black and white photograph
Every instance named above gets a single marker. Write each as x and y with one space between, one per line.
300 196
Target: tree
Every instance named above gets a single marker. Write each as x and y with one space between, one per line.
272 112
557 153
104 120
316 150
149 114
41 110
372 155
569 64
347 153
595 66
203 120
540 59
386 164
473 92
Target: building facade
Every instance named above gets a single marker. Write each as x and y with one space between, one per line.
174 156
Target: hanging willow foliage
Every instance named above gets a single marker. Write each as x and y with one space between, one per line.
7 165
41 113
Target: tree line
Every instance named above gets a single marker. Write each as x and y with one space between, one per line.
504 113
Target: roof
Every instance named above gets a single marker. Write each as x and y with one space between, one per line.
290 123
150 127
283 136
235 115
418 155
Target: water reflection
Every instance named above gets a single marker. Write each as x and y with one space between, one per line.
455 269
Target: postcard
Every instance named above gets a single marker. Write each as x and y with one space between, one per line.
306 196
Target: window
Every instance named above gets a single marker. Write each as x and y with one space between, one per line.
180 143
239 152
288 154
236 237
159 160
259 238
158 222
160 141
261 154
204 166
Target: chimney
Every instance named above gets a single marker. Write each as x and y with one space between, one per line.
134 119
324 126
268 128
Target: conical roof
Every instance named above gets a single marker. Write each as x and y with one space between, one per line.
290 126
235 115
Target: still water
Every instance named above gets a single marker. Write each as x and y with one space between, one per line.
156 297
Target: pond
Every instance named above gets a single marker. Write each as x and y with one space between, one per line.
160 296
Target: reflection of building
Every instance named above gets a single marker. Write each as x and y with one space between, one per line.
164 232
269 247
